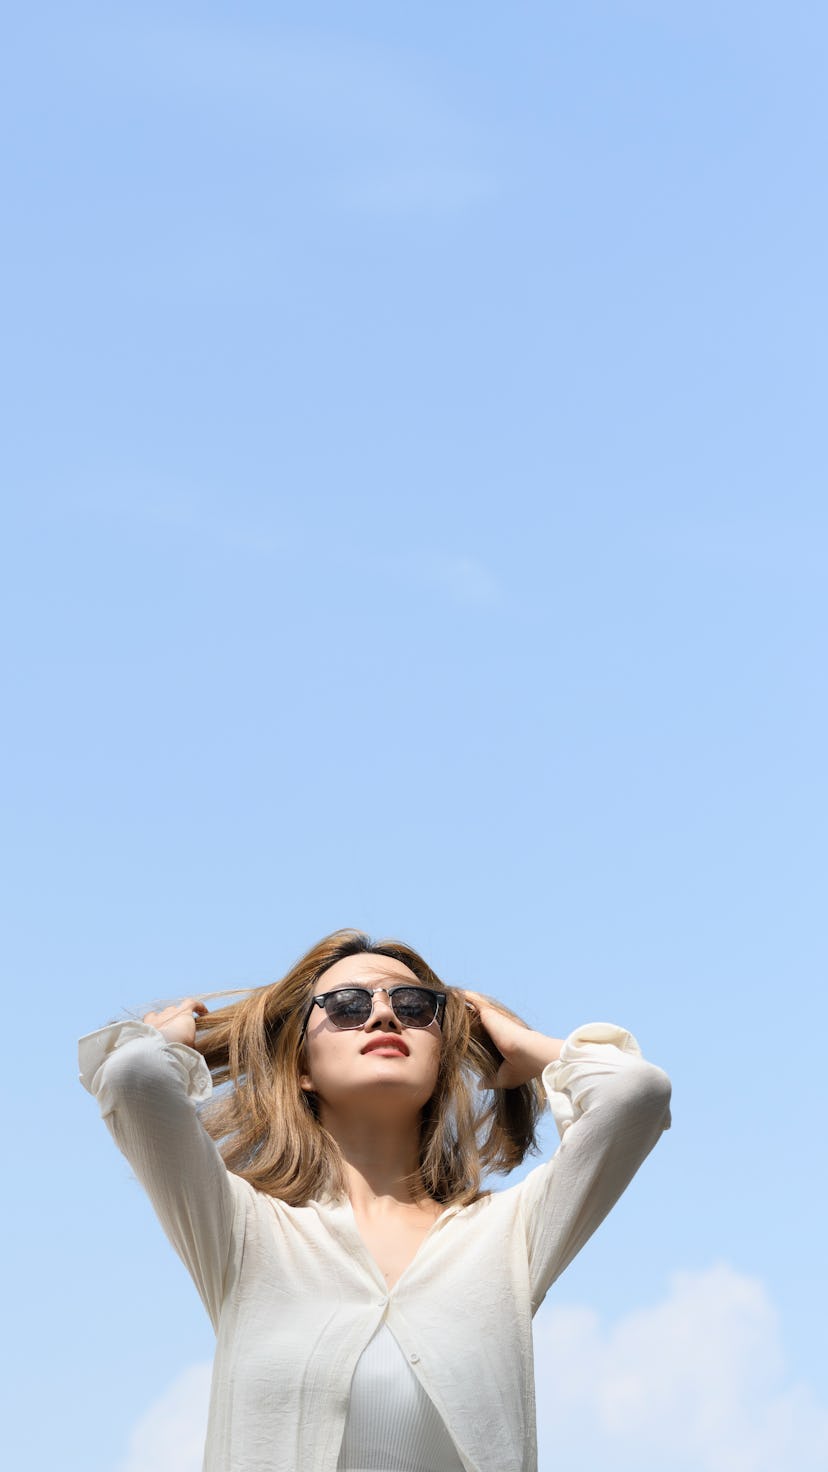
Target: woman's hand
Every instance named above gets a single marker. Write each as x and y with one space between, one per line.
525 1052
177 1022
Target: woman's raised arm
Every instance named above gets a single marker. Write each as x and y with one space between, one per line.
147 1080
610 1107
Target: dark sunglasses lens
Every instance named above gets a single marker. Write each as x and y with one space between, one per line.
349 1008
414 1006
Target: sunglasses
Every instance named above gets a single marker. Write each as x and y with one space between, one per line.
351 1006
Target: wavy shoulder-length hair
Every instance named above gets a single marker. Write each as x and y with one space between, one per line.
268 1128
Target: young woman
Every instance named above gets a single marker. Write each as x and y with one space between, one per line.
372 1303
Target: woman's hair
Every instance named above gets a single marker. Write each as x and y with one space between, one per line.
268 1129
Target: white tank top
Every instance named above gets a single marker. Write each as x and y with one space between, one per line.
393 1425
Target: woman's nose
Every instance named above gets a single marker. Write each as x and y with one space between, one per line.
382 1012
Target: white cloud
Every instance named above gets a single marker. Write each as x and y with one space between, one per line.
695 1383
170 1435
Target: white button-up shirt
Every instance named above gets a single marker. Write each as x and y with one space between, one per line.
295 1296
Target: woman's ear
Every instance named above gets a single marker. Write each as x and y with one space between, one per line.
305 1080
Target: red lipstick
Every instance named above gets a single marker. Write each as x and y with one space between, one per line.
386 1040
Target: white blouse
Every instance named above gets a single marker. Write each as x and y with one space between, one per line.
295 1296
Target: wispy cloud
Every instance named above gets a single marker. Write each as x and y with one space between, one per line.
176 510
695 1383
373 125
405 188
465 578
170 1435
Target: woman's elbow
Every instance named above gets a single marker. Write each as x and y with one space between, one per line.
654 1093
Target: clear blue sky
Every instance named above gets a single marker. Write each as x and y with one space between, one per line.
416 482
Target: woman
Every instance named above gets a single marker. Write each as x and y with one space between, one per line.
372 1304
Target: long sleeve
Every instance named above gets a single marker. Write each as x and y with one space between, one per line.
147 1090
610 1107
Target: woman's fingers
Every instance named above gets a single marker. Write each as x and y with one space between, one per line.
473 997
515 1042
178 1009
178 1022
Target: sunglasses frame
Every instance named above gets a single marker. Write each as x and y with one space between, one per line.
321 999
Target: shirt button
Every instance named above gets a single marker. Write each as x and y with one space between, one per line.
414 1358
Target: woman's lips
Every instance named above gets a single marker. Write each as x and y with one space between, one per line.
377 1045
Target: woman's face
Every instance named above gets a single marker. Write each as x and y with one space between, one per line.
381 1062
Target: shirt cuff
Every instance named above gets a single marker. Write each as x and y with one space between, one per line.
601 1047
96 1047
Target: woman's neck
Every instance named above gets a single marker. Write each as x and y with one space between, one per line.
381 1157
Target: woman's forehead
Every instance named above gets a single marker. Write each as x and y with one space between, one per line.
368 970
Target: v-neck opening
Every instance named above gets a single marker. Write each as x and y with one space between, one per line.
348 1208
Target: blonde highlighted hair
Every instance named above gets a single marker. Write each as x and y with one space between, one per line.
267 1127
